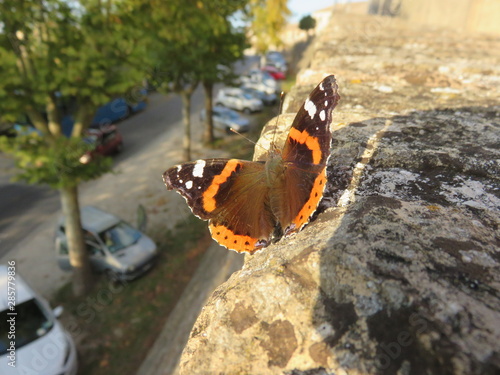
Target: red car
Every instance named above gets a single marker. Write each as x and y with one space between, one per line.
274 72
105 141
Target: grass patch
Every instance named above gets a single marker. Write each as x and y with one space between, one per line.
288 83
116 324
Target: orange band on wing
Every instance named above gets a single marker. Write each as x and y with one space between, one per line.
311 143
240 243
209 203
311 204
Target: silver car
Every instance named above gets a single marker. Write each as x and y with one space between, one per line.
235 98
267 99
226 119
115 248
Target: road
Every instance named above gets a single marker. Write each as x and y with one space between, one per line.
24 207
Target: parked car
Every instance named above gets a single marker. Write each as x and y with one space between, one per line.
276 59
236 98
115 247
111 112
118 109
267 99
7 129
274 72
226 119
261 81
104 141
42 345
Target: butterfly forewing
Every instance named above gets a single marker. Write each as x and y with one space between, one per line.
232 194
192 179
310 136
305 155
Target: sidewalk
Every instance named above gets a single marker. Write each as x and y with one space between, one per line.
215 267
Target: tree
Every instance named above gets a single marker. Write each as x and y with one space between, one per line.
219 51
190 41
268 19
307 23
57 55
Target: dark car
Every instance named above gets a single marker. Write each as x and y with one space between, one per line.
267 99
106 140
7 129
118 109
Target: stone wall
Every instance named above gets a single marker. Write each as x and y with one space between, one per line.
399 272
462 15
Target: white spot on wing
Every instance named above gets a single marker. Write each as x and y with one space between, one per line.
322 115
321 86
198 168
310 108
326 103
189 184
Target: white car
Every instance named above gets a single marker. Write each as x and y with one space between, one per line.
236 98
33 339
261 81
115 247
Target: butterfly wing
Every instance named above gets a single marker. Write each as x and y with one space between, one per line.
232 194
305 155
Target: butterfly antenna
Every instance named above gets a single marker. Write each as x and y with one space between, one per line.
282 100
242 136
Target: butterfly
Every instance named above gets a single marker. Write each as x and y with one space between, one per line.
250 204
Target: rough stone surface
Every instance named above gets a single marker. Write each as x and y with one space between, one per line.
399 272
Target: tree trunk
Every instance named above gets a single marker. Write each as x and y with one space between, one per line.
186 114
83 117
208 136
78 257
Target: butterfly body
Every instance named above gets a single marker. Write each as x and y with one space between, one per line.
251 204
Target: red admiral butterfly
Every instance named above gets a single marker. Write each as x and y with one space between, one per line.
250 204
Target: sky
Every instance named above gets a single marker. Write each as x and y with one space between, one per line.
302 8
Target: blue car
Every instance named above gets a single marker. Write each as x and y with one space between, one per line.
116 110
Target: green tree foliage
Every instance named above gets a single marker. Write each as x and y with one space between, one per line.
53 162
269 17
307 23
58 55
